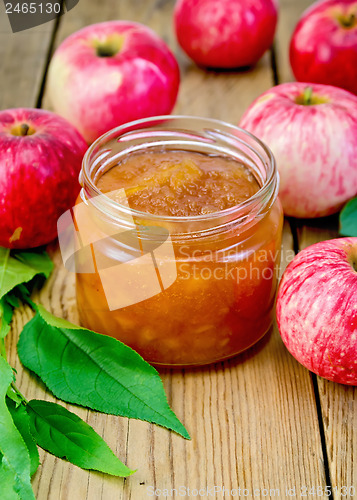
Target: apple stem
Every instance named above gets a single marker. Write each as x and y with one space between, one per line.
24 128
307 96
348 22
103 51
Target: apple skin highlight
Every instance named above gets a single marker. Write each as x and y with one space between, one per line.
317 309
315 145
111 73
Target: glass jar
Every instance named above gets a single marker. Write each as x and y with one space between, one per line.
179 290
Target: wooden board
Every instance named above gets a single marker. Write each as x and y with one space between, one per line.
23 58
253 419
337 402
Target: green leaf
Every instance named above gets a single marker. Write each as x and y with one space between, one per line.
21 267
8 482
4 258
348 219
6 312
39 261
94 370
12 299
65 435
22 421
17 268
14 396
15 457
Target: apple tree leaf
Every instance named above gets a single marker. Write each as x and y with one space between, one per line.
14 396
22 421
15 457
65 435
348 219
94 370
6 312
7 482
21 267
39 261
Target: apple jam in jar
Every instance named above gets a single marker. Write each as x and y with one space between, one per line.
180 232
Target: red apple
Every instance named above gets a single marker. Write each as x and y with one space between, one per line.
111 73
312 131
317 309
225 33
40 159
323 47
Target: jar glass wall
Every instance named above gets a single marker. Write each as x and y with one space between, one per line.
183 290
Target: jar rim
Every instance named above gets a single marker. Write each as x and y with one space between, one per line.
270 185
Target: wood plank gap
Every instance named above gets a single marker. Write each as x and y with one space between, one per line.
322 433
335 404
294 228
51 48
295 234
273 64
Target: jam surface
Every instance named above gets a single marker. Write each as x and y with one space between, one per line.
179 183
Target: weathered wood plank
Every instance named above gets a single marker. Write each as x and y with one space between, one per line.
248 417
252 419
23 58
338 403
290 11
226 94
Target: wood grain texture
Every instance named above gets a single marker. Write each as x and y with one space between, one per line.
252 419
289 14
23 57
338 402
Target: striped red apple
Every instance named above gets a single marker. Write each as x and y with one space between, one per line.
225 33
40 159
312 131
323 47
110 73
317 309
